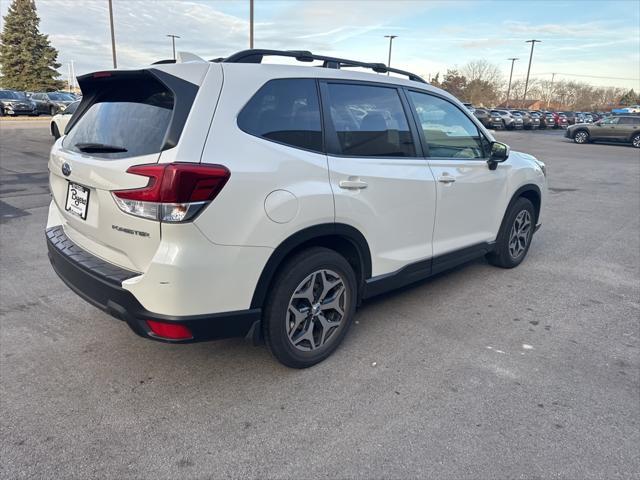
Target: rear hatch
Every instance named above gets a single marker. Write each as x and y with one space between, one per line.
126 118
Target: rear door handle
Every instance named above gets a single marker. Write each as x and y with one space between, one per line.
353 184
446 179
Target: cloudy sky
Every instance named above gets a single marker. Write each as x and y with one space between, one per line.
593 41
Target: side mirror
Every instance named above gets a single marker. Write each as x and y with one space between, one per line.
499 153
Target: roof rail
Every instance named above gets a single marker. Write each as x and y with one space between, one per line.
256 56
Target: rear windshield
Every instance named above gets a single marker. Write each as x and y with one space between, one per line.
124 120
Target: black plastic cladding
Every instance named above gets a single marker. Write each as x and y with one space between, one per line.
184 94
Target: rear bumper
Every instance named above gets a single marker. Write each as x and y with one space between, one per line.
100 284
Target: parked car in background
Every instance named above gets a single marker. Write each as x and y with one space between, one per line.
588 118
547 120
50 103
484 116
528 123
495 120
560 120
621 128
580 118
60 120
570 116
510 121
537 120
469 107
16 103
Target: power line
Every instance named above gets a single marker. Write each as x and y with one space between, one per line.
587 76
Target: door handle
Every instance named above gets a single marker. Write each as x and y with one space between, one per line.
353 184
446 179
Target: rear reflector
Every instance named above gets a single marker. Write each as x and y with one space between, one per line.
169 331
176 192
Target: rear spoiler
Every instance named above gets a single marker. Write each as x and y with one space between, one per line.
95 84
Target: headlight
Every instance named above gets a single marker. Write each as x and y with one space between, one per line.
542 166
61 106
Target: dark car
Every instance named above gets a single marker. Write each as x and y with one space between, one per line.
484 116
495 120
16 103
52 102
570 116
623 128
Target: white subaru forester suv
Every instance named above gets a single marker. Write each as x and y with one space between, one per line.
201 200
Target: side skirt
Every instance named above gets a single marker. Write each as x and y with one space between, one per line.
415 272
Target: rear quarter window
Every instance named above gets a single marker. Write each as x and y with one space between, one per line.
285 111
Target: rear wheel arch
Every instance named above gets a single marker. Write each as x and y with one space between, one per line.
342 238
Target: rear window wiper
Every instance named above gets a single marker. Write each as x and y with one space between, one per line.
99 148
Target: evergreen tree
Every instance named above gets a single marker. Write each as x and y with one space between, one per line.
630 98
28 61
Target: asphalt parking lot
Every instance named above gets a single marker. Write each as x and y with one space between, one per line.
478 373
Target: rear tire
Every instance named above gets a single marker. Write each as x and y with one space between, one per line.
52 111
635 140
310 307
514 238
581 137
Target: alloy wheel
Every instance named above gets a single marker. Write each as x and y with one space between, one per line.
581 137
520 234
636 141
316 310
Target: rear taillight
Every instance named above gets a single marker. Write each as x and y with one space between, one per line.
176 192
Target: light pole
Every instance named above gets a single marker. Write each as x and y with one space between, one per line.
173 43
390 37
113 36
526 83
553 76
250 23
510 77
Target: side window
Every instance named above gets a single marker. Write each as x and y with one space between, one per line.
285 111
369 121
611 120
629 121
448 132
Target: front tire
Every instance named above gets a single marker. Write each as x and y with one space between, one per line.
310 307
635 140
55 132
581 137
52 111
514 238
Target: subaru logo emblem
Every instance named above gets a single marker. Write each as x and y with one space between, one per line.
66 169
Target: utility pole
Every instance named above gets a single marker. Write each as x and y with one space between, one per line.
113 36
73 76
553 76
390 37
526 83
510 77
250 23
173 43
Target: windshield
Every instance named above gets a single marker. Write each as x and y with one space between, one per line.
9 95
61 97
